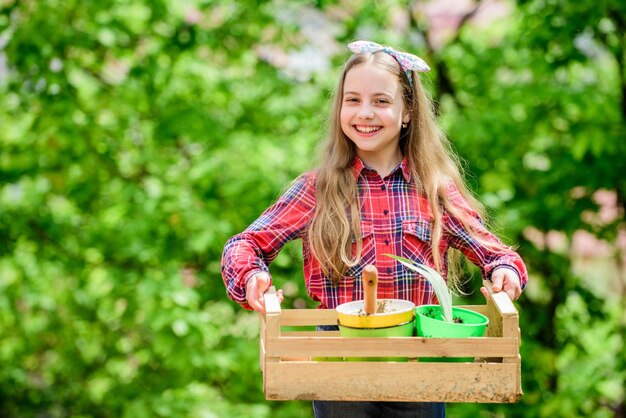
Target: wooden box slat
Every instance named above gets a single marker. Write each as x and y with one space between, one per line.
409 382
393 346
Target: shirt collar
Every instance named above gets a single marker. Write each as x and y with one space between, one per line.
358 165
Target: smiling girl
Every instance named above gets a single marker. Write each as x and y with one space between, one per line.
387 183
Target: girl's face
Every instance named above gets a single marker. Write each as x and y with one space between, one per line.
372 111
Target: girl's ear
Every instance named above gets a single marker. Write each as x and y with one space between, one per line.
407 117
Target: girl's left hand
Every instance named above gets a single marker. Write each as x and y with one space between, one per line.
507 280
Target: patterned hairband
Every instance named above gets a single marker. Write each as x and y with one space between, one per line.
408 62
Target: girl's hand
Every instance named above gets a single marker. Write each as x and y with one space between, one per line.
256 287
507 280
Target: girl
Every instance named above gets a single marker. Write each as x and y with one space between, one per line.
387 183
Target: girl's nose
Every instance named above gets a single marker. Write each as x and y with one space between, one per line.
365 112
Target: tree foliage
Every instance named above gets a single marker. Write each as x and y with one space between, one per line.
137 136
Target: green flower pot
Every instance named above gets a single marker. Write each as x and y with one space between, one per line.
429 322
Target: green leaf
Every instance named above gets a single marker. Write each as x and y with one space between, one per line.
435 279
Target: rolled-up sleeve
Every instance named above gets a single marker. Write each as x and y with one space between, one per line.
479 251
253 250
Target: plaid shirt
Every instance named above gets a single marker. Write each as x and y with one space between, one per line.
395 219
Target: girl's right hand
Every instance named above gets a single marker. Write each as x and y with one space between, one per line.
256 287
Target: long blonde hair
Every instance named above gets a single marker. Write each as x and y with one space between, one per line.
434 166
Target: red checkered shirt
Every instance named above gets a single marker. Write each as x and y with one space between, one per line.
395 218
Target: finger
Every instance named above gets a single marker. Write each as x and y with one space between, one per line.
513 290
260 300
485 292
255 289
511 293
259 293
257 306
496 279
255 300
263 283
280 295
512 285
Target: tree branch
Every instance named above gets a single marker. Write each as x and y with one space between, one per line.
619 52
444 83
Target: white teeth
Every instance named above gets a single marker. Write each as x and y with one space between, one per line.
367 129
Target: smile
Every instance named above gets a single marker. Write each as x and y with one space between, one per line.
367 129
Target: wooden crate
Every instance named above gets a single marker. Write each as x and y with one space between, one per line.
290 374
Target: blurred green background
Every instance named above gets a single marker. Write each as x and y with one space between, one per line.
137 136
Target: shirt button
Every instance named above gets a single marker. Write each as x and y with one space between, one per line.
388 269
385 212
386 242
383 187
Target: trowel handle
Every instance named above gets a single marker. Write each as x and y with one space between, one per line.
370 285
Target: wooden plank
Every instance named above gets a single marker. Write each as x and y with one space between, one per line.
272 326
500 299
482 309
510 325
318 334
518 364
494 329
302 317
433 382
271 329
392 347
272 304
505 320
262 344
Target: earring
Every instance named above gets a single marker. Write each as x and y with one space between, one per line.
404 125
